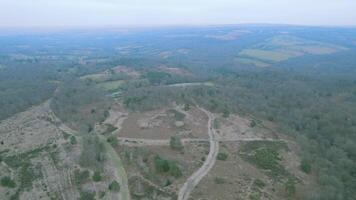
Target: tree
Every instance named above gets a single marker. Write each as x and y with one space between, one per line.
114 186
226 113
113 140
161 164
222 156
96 176
253 123
305 166
186 106
7 182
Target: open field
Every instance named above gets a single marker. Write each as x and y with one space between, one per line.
111 85
164 123
268 55
284 47
251 61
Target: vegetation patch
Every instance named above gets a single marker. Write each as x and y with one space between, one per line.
80 177
7 182
222 156
87 195
167 166
92 153
251 61
114 186
265 155
111 85
97 176
267 55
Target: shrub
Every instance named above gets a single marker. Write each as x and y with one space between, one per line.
186 106
305 166
96 176
222 156
113 140
219 180
226 113
114 186
167 166
259 183
174 170
161 164
73 140
253 123
7 182
87 195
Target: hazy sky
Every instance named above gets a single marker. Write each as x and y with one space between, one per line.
175 12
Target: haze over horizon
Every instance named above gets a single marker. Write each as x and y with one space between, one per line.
30 13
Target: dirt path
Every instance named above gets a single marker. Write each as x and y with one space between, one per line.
196 177
155 142
124 193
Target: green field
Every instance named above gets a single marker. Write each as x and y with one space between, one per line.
249 61
111 85
95 77
271 55
284 47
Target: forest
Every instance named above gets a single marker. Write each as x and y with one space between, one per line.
311 98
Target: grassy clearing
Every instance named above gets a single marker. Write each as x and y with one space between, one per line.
208 83
271 55
111 85
95 77
281 48
316 49
249 61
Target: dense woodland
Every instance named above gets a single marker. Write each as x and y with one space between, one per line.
312 98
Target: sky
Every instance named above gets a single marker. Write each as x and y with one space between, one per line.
32 13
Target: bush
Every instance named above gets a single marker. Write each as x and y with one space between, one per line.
114 186
222 156
219 180
113 140
161 165
96 176
226 113
259 183
186 106
305 166
7 182
73 140
166 166
87 195
174 170
253 123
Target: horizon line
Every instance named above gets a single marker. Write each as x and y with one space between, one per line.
142 26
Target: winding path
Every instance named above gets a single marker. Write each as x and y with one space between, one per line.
196 177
